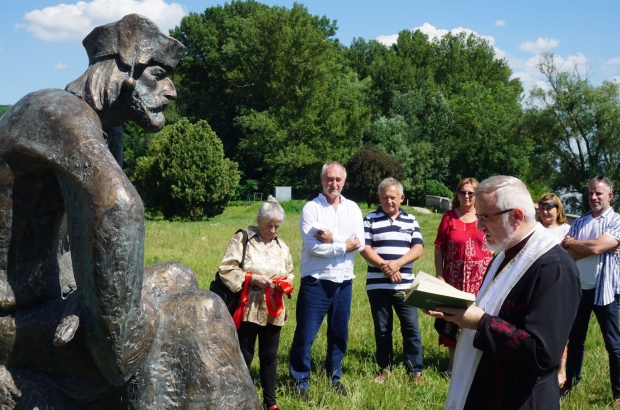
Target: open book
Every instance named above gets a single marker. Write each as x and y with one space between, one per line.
428 292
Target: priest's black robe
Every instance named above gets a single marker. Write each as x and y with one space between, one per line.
522 346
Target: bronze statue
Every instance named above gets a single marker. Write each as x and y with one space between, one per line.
82 324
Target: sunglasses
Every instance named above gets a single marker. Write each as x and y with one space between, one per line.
466 193
546 206
484 218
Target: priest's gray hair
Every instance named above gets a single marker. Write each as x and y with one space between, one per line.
510 192
270 211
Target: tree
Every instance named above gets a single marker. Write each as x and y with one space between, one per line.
456 107
366 169
272 83
185 173
577 125
3 109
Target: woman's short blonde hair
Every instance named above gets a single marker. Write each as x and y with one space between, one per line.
551 197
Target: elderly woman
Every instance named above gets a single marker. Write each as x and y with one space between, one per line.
461 254
269 269
551 215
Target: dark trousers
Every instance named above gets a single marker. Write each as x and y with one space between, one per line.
607 317
383 303
268 342
316 299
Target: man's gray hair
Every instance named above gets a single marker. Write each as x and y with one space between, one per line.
270 211
510 192
327 164
389 182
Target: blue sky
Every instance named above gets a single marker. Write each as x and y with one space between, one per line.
40 40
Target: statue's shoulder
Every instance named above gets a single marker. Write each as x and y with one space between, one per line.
50 109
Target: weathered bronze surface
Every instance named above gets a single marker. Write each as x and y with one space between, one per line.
82 324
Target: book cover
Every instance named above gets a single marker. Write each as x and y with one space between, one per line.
428 292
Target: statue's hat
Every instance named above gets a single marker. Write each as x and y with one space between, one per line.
136 40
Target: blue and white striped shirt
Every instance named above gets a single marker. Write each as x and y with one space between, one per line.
605 264
391 239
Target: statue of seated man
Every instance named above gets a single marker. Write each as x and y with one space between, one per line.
91 328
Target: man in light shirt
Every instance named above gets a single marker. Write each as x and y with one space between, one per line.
592 241
332 231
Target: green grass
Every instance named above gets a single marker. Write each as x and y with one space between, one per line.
201 245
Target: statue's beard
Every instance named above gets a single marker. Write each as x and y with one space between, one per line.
147 110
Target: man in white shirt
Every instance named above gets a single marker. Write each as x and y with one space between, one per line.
332 231
592 242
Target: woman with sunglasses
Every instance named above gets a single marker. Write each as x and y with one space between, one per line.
461 253
551 215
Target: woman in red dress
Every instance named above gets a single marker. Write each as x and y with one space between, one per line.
461 253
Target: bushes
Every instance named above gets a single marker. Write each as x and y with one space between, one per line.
185 173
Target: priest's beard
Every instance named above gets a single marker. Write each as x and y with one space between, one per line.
503 244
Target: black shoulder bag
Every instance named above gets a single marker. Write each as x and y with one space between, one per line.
230 298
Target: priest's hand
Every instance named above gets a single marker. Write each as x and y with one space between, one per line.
464 318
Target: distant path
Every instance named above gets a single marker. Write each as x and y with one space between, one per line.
421 210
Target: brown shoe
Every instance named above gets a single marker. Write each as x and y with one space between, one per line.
617 402
418 380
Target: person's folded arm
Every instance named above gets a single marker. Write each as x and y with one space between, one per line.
602 244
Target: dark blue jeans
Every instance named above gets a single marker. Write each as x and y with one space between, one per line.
316 299
383 303
607 317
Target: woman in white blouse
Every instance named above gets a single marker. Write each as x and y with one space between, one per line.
269 269
551 215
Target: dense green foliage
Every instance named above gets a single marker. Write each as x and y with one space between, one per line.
284 96
272 84
576 128
185 173
3 109
366 169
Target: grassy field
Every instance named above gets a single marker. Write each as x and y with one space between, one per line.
201 245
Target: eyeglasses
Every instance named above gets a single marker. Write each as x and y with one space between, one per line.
546 206
484 218
466 193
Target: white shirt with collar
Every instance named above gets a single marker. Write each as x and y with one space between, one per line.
329 261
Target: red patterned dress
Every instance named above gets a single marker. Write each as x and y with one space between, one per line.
465 252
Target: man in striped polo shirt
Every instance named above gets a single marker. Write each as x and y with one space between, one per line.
592 241
393 243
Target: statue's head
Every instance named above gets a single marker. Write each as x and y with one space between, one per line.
127 76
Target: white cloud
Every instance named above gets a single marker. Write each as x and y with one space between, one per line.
72 22
540 45
60 66
501 23
611 61
616 79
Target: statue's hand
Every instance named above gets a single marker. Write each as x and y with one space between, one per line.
66 330
70 320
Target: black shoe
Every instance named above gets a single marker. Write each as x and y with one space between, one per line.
565 390
339 388
302 394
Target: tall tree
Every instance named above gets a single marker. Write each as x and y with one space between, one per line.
280 96
577 125
460 107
